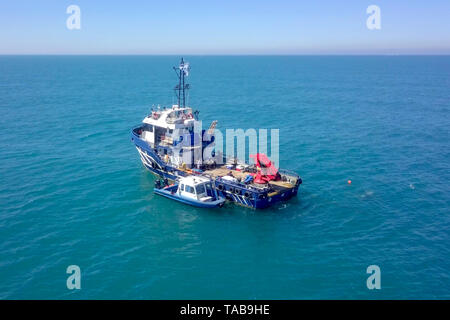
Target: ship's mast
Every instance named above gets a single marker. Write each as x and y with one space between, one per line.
180 89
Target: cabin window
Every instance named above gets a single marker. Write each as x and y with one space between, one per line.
181 187
209 190
170 131
148 127
200 188
189 189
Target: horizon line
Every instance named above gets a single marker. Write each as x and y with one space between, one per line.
224 54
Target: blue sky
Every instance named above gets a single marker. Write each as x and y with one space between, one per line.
225 27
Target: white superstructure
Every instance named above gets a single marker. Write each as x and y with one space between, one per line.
161 124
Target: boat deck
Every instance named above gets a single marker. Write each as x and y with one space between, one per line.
223 171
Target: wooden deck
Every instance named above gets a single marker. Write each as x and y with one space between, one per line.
223 171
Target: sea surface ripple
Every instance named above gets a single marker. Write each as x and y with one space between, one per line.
74 191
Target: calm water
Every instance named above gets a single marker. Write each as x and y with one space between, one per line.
73 190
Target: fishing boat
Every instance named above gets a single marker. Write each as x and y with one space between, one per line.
196 191
171 148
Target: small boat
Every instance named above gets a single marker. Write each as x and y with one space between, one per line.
196 191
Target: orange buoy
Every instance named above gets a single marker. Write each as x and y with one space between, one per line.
349 181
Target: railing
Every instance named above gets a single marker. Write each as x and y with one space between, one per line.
288 173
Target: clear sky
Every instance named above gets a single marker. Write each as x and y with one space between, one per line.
225 27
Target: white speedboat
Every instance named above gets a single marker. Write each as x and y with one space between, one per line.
193 190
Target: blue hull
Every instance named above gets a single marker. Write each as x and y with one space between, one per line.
237 193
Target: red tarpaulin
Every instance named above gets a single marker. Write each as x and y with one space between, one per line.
267 170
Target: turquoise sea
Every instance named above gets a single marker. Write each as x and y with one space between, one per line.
74 192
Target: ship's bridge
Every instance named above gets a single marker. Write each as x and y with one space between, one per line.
158 127
171 118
